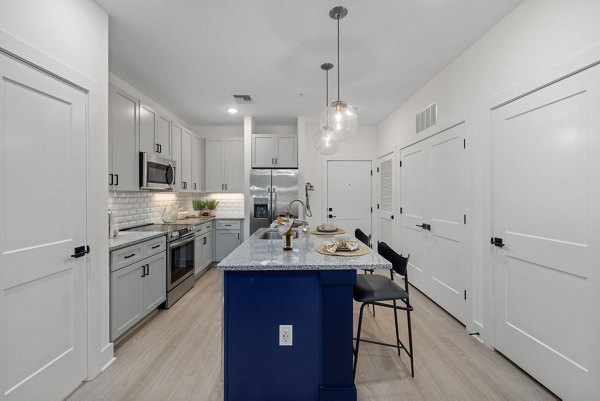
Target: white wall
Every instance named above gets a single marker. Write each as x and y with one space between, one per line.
533 38
70 38
218 131
362 146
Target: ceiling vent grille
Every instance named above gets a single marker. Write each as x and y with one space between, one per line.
426 118
243 99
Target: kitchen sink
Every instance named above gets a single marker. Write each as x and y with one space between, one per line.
274 234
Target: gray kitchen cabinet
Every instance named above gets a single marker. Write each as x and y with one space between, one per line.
186 161
123 153
197 164
228 237
155 132
176 137
137 288
203 247
224 165
274 151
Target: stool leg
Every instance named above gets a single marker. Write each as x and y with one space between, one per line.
397 331
410 344
362 307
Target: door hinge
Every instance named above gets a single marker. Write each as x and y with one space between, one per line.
378 206
465 218
400 163
371 172
371 209
464 143
400 209
465 295
377 169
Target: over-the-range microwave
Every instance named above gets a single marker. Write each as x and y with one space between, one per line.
156 173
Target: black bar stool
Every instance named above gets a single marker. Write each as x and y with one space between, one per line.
374 289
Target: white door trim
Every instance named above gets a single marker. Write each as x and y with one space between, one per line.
483 175
100 349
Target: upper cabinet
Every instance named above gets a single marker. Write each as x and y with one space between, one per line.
123 161
224 165
176 136
274 151
197 164
155 132
186 161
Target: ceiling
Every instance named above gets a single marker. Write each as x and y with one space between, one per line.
191 56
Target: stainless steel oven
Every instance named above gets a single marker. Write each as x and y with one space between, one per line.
180 267
156 173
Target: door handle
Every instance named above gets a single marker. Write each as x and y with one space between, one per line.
423 226
331 216
497 242
156 145
116 179
143 270
129 256
159 148
80 251
155 246
147 270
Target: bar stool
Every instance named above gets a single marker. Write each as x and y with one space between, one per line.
374 289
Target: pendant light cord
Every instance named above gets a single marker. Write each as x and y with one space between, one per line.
338 54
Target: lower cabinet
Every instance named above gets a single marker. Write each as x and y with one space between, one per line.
203 256
228 237
135 291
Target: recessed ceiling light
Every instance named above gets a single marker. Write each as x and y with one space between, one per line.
232 110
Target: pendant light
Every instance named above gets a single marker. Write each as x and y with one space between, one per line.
341 115
326 139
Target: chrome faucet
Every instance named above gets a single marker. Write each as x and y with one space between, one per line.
303 221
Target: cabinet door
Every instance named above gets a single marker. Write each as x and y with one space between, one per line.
207 251
125 298
176 136
227 241
147 130
234 165
155 281
286 152
197 164
124 111
213 157
198 254
263 151
163 136
186 160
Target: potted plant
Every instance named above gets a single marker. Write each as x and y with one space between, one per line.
212 204
198 205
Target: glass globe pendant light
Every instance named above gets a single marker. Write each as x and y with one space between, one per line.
326 139
340 115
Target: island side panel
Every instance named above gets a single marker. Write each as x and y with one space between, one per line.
337 381
256 303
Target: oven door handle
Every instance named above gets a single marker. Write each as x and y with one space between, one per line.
183 241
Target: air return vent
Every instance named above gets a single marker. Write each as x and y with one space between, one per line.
243 99
426 118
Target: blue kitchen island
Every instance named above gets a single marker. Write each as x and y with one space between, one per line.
265 287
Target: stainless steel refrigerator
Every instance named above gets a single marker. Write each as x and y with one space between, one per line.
270 193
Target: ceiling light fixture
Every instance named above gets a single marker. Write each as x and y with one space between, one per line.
326 139
232 110
345 118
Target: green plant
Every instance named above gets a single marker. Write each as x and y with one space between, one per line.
198 204
212 204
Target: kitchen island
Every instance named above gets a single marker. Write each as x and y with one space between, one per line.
265 287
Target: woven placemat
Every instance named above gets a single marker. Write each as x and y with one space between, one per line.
359 252
316 232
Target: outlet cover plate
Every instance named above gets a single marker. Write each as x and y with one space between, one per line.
285 335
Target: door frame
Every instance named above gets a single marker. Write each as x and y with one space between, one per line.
325 182
483 180
472 324
99 354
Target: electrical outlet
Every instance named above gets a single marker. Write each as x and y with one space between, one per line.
285 335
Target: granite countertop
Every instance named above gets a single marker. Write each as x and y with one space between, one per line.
258 254
126 238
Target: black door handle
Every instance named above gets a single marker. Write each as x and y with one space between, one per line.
116 179
80 251
331 216
427 227
497 242
423 226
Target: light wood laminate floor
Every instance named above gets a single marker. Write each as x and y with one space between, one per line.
177 356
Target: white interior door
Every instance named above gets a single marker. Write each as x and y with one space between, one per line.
414 213
546 195
386 199
446 207
349 194
43 304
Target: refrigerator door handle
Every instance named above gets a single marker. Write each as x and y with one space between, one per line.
273 203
